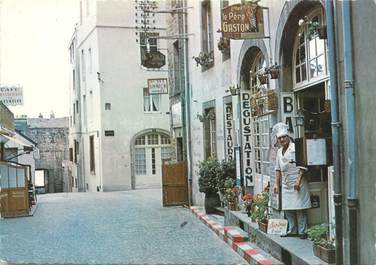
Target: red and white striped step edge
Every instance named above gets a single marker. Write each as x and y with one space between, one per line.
236 238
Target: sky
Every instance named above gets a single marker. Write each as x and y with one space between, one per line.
34 39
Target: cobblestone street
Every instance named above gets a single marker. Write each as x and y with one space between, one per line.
116 227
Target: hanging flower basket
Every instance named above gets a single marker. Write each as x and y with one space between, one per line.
263 78
274 73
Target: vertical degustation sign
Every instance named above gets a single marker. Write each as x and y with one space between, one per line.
246 128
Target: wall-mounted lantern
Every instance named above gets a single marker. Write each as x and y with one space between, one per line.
299 118
234 90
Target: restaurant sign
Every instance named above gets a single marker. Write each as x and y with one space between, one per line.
11 95
243 21
153 59
158 86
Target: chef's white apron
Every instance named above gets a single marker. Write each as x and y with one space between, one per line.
292 199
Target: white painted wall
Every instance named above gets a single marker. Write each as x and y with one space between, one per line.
110 33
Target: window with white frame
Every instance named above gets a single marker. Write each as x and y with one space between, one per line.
309 57
210 133
258 65
140 161
261 144
151 101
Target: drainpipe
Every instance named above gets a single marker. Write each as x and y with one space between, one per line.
337 197
352 200
187 107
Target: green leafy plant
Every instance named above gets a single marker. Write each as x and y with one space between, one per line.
227 173
209 170
319 234
260 207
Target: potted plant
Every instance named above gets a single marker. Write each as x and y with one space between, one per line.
226 171
273 70
232 195
209 170
248 203
323 245
260 210
223 44
204 58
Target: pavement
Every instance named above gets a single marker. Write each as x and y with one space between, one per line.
128 227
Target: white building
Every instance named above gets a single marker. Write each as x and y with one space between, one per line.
119 133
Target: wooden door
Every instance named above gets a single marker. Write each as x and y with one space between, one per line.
175 184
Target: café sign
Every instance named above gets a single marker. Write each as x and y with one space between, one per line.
158 86
153 59
11 95
243 21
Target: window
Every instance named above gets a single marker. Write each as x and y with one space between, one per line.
153 168
140 161
71 154
92 155
207 29
74 113
153 139
309 53
210 134
261 144
165 139
140 140
109 133
107 106
77 106
83 65
76 150
147 44
166 153
151 102
258 65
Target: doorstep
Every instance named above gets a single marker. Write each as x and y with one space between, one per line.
288 250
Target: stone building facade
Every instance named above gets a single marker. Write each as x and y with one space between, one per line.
307 100
51 137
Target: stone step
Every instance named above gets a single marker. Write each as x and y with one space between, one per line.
237 240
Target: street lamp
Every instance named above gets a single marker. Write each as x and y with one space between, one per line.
299 118
234 90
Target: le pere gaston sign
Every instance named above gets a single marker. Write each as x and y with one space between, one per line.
243 21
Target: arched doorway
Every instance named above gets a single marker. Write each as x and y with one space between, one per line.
149 149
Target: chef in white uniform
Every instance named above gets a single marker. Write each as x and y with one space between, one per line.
295 193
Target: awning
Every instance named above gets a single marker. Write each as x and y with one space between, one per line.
17 141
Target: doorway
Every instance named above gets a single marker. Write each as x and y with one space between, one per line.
149 151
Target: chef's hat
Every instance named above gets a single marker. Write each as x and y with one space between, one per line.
280 129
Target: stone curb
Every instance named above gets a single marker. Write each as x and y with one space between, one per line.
237 239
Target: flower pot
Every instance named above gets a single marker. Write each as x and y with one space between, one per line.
263 226
322 32
211 202
327 255
274 74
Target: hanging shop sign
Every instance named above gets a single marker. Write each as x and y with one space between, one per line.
229 130
288 109
153 59
243 21
248 165
11 95
158 86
